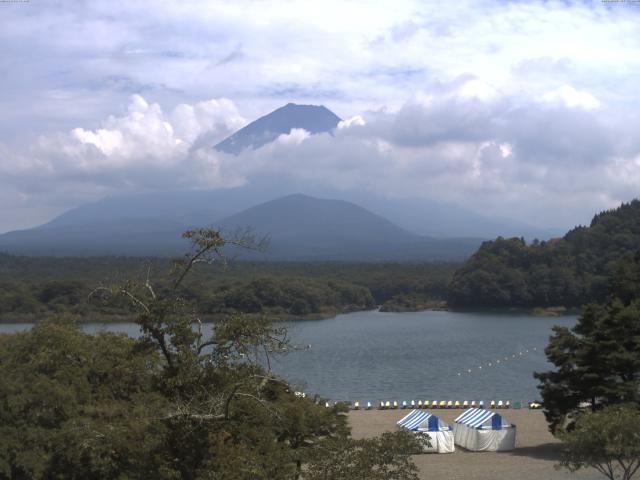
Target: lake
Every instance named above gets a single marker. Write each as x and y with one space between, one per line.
372 356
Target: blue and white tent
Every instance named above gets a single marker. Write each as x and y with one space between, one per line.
423 423
482 430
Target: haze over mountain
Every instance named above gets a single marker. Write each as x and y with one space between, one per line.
299 227
312 118
308 228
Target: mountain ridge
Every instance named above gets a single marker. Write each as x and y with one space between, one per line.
300 227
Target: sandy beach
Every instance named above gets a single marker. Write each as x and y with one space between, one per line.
534 458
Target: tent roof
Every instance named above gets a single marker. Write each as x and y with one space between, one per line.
475 417
414 419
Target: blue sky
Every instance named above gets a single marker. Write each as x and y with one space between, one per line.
521 109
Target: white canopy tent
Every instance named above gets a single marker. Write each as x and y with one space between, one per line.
481 430
440 434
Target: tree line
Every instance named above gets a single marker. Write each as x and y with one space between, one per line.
33 287
568 271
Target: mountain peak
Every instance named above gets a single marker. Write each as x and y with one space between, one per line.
312 118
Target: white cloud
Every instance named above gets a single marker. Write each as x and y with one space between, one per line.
295 137
512 105
572 98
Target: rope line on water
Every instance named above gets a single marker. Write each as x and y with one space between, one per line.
498 362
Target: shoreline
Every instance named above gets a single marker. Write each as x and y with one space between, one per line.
325 315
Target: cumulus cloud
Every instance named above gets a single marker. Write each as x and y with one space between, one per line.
571 97
509 155
142 149
512 108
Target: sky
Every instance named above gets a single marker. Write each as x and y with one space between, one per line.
515 109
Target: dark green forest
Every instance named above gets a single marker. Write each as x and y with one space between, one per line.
32 288
568 271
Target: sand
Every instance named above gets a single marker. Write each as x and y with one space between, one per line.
534 458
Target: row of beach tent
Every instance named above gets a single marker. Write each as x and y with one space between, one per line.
444 404
476 429
390 405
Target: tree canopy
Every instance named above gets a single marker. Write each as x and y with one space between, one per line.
568 271
598 360
608 440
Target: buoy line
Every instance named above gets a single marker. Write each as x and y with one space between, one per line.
498 362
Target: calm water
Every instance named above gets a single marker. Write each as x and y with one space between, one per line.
374 355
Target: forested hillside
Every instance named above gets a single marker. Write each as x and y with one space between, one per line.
568 271
31 288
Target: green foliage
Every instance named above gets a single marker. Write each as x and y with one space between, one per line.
569 272
74 405
598 360
32 288
172 404
383 458
607 440
289 297
412 302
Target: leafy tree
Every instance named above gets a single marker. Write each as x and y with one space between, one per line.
74 405
383 458
598 360
607 440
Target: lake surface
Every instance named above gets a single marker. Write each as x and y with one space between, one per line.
372 356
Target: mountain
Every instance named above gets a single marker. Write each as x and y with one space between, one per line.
135 224
312 118
568 271
126 236
301 227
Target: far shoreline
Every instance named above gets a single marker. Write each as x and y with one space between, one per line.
327 315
